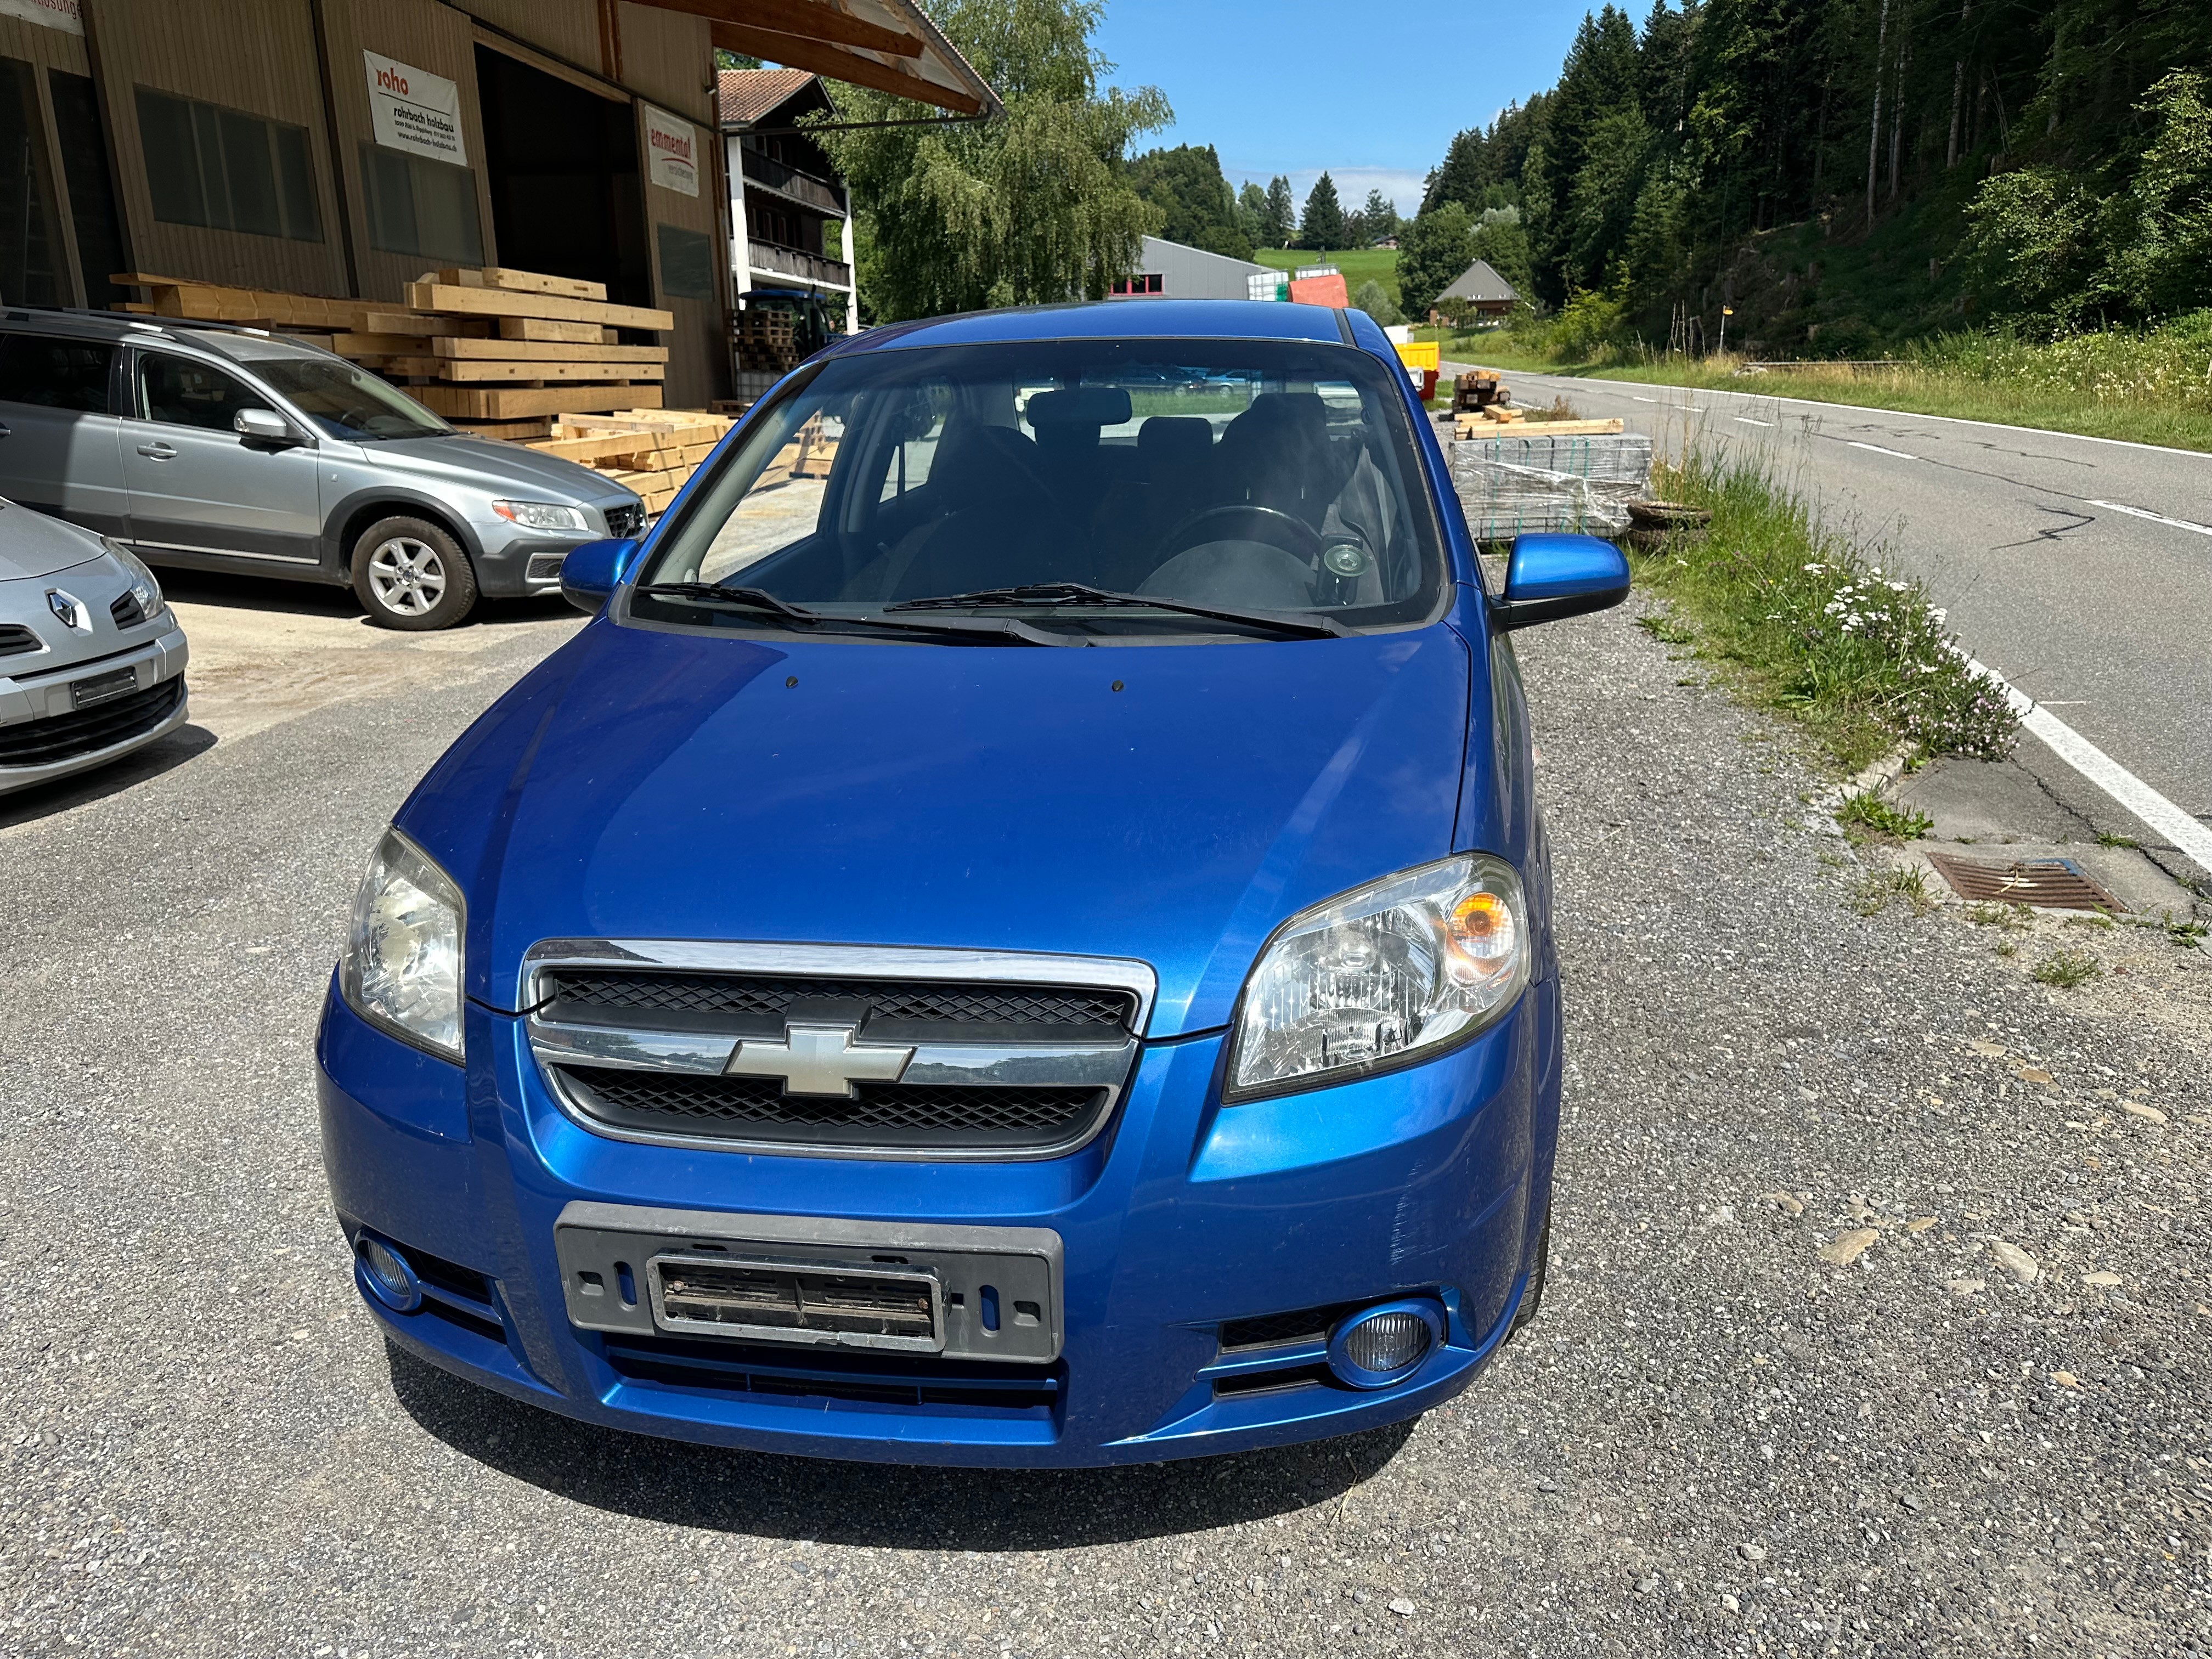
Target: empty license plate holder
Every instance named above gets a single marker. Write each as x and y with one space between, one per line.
991 1292
103 688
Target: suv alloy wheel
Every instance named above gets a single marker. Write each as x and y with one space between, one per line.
411 575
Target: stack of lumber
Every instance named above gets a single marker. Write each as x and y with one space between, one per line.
654 451
1487 423
500 352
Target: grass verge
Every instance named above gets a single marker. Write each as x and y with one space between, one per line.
2152 388
1802 621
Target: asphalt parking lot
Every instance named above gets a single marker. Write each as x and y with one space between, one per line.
1879 1319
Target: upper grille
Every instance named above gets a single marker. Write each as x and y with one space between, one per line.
14 639
64 736
624 522
937 1116
126 612
586 992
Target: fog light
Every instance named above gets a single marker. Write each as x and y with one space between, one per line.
387 1276
1380 1347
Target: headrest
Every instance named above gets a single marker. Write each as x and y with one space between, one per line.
1091 406
1175 440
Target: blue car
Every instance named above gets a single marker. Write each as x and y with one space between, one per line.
1020 935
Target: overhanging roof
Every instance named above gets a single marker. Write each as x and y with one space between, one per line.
890 45
1479 285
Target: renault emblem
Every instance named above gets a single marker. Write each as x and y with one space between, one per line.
69 608
820 1059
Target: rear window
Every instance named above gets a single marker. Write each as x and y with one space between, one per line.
53 373
1258 475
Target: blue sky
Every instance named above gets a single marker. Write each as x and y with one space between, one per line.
1295 86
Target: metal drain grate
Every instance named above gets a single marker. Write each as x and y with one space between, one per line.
2046 884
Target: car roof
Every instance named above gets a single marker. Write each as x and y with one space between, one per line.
1141 319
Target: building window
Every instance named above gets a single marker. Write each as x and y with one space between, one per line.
687 263
226 170
93 211
1153 283
419 207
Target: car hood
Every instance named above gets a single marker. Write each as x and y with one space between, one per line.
492 465
32 544
1169 803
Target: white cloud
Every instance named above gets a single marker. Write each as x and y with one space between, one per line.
1404 189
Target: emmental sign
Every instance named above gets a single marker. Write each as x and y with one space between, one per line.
411 109
672 148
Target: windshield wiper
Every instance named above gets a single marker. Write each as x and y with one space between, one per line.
759 600
1287 624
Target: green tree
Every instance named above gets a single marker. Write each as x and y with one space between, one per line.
1322 225
1252 215
1433 251
1282 212
1196 206
1032 207
1378 218
1374 299
2163 263
1501 243
1602 201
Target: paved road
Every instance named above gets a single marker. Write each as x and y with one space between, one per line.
1712 1440
2032 541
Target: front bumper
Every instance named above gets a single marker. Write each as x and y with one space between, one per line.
38 718
1182 1216
512 560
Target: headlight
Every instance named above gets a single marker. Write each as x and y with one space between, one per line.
543 515
1386 974
143 587
402 967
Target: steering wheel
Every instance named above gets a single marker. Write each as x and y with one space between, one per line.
1269 525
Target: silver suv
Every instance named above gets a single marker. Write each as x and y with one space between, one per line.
229 448
91 662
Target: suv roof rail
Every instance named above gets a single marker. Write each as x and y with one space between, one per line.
129 319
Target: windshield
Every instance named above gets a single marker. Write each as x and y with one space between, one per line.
345 402
1224 476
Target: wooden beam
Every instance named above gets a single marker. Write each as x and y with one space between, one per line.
542 351
800 18
840 63
465 403
502 302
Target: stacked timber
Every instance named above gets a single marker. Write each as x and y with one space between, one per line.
499 352
654 451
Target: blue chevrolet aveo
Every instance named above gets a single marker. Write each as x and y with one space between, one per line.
1020 935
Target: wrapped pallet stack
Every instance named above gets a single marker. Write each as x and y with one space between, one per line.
1532 480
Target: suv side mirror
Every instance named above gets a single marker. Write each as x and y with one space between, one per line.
1553 576
590 573
266 426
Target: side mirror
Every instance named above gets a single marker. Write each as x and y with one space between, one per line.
266 426
591 572
1549 577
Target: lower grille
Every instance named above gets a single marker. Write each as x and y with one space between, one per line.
1276 1330
85 731
939 1386
795 1298
937 1116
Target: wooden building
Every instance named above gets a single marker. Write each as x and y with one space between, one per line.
344 147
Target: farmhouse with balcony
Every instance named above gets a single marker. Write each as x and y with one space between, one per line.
791 223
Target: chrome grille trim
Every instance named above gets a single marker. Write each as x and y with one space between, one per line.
641 1043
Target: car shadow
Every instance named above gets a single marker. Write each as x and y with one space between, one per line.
874 1505
188 742
235 593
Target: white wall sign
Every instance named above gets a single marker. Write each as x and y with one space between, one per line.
672 144
413 110
54 14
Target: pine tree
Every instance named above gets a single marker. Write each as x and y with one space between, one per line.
1282 212
1378 219
1323 226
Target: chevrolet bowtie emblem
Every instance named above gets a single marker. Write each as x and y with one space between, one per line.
820 1059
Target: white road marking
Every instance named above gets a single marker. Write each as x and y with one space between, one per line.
2155 518
2160 814
1643 400
1745 420
1897 453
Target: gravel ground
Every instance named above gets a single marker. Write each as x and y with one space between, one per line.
1875 1322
